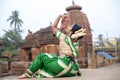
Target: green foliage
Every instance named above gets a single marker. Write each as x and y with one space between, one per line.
11 41
118 42
106 49
100 37
14 19
3 59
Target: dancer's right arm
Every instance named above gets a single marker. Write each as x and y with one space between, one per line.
55 24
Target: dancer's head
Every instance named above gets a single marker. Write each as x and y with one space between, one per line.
65 22
75 31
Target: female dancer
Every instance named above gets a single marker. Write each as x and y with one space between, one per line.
51 65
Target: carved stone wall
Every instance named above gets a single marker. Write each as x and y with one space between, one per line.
44 40
41 41
86 47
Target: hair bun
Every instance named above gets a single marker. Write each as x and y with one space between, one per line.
75 27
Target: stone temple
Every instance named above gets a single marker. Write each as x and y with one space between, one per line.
45 41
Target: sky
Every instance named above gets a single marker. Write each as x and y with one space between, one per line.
103 15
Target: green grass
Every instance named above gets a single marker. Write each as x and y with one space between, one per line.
3 59
107 49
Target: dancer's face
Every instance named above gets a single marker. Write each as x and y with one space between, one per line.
65 23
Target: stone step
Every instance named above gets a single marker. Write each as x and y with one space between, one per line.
6 74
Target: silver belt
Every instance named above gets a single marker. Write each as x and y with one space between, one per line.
62 56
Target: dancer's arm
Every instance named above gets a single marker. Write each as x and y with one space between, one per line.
55 24
57 20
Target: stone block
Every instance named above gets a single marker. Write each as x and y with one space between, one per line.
19 67
0 70
4 66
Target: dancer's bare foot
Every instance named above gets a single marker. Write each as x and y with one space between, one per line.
22 76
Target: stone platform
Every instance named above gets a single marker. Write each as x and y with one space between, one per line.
111 72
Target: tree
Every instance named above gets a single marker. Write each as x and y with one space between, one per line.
100 37
0 41
11 41
14 19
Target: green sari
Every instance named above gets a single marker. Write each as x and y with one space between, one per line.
51 65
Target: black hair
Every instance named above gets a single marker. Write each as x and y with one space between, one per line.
75 27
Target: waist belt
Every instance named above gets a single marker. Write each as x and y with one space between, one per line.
70 57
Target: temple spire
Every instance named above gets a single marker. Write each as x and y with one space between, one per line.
73 2
50 23
73 7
